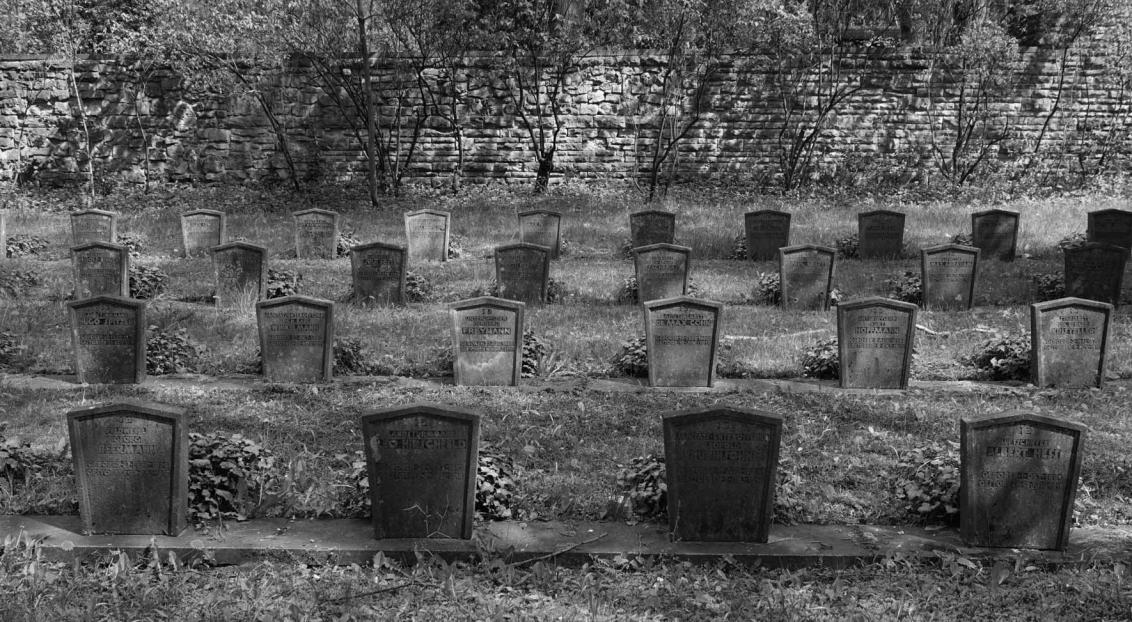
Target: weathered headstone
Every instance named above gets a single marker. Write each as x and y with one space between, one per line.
422 460
662 271
94 225
1069 342
131 465
805 273
240 271
1019 475
100 269
108 336
201 229
316 234
542 227
880 233
948 273
487 341
296 338
1110 226
427 233
995 233
721 469
874 337
680 336
767 231
1095 272
652 227
522 272
378 271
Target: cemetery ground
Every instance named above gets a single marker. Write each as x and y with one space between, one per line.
560 440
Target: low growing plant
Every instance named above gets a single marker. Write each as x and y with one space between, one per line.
535 351
18 283
928 487
25 245
418 287
768 288
630 291
147 282
227 476
964 239
1004 357
633 359
1049 286
349 359
848 247
170 352
907 288
645 485
822 360
1072 241
282 282
495 484
739 247
134 242
345 241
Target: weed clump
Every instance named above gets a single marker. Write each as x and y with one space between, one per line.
170 352
24 245
928 488
228 475
1072 241
344 242
282 283
739 247
633 359
418 287
906 288
18 283
768 288
135 243
1004 357
147 282
630 292
349 359
848 247
822 360
495 484
645 486
535 351
1049 286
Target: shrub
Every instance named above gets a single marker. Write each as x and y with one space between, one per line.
739 247
929 485
25 245
16 283
633 359
349 359
281 283
534 351
1049 286
768 288
147 282
170 352
418 287
135 243
822 360
495 484
645 485
227 476
1072 241
344 243
848 247
556 291
1004 357
907 288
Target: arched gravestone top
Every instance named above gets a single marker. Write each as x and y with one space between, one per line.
1018 475
681 335
949 273
995 233
875 342
94 225
240 271
422 460
296 339
427 233
487 341
522 271
722 464
880 233
1069 342
201 229
1110 226
652 226
542 227
1095 272
316 234
378 272
662 271
100 269
131 466
108 338
767 230
805 272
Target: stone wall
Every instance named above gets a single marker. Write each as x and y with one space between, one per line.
896 119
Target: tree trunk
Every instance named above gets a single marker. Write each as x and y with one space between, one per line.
545 168
371 105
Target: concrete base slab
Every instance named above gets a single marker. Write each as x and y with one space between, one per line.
345 541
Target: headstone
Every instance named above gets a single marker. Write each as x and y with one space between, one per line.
767 231
316 234
3 236
805 273
1069 342
874 337
948 273
94 225
131 465
240 271
542 227
721 468
1110 226
652 227
662 271
108 336
296 338
880 233
487 340
1019 475
1095 272
422 461
378 271
680 336
427 232
995 233
201 229
522 272
101 269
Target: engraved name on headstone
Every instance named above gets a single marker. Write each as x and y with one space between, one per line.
427 232
108 337
662 271
652 227
995 233
680 336
948 273
316 234
296 337
874 337
422 460
1019 475
543 228
767 231
805 272
1095 272
201 229
131 465
93 225
1110 226
378 271
487 340
1069 342
240 272
880 233
722 465
100 269
522 272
